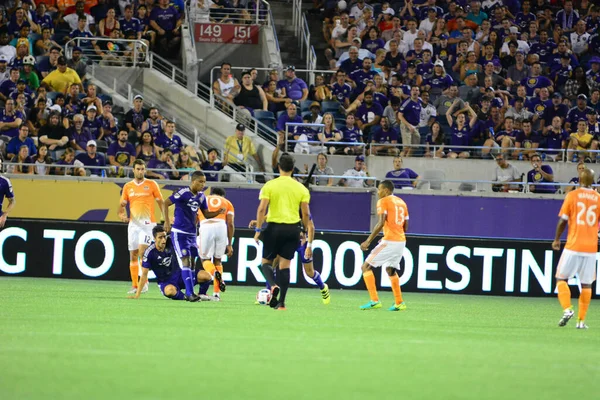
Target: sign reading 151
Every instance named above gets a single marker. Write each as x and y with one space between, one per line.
217 31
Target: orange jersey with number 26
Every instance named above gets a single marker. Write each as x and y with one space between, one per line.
396 212
581 209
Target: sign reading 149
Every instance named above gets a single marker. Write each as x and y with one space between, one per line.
226 33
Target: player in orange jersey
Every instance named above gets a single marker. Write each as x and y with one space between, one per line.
393 219
140 194
580 210
214 239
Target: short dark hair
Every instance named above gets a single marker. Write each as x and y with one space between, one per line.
197 175
217 191
157 229
387 184
286 163
139 162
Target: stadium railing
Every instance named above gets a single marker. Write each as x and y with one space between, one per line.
258 15
302 32
127 53
316 146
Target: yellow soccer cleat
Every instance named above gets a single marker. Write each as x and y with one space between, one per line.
398 307
325 294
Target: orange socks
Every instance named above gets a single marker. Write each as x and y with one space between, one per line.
584 302
208 266
370 282
395 279
134 270
216 287
564 295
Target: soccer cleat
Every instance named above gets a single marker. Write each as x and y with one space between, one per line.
280 307
581 324
274 295
567 315
325 294
217 295
219 281
371 305
193 298
398 307
204 297
145 288
133 290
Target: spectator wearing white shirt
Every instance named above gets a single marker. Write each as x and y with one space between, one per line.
362 53
355 176
357 10
72 19
579 39
4 71
522 45
402 45
428 112
6 49
411 34
341 27
428 24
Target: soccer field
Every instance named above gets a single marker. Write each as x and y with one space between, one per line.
63 339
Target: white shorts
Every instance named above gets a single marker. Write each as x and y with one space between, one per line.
573 263
212 240
387 254
138 235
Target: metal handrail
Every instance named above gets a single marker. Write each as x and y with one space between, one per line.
135 59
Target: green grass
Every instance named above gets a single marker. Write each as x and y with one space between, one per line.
63 339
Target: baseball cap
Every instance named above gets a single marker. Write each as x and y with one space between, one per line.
595 60
519 99
557 95
359 158
240 127
565 56
443 36
432 9
389 11
513 29
3 58
61 60
395 100
22 81
582 97
77 49
92 143
315 104
357 39
211 150
591 111
138 96
55 107
293 68
107 101
92 107
439 63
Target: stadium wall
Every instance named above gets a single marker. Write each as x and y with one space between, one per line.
76 250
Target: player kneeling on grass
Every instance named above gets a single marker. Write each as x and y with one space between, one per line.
160 258
393 219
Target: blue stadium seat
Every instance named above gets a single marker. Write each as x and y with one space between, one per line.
280 113
268 121
376 9
305 105
258 114
339 124
39 59
52 96
339 115
330 106
82 95
105 97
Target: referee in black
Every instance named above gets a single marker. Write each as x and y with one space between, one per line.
284 197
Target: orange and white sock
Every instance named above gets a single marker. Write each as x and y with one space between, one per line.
584 302
564 294
395 279
216 287
134 271
369 279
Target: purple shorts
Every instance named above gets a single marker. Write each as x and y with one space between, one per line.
184 244
176 280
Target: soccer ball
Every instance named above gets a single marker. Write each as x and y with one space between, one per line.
263 296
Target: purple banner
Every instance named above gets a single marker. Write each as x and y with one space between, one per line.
495 217
330 211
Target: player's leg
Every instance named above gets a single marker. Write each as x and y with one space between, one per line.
369 278
144 241
395 281
587 276
172 292
132 246
219 247
185 247
309 270
565 270
204 280
268 238
286 245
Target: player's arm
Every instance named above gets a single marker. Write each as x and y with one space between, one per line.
11 204
560 228
378 227
121 212
141 283
230 232
211 214
165 210
310 228
261 213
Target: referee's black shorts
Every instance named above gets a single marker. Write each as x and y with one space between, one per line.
280 239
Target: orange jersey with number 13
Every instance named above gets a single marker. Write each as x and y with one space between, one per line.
581 209
215 203
396 212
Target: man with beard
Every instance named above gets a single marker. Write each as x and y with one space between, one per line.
121 154
368 114
135 117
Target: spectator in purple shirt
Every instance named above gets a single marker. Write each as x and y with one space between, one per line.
166 21
539 175
292 87
169 140
23 139
383 136
93 124
409 115
351 134
165 161
79 137
210 165
92 159
10 119
402 177
121 153
10 84
291 115
129 23
536 80
368 114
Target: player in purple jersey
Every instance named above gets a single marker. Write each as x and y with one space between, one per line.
160 257
6 190
187 202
